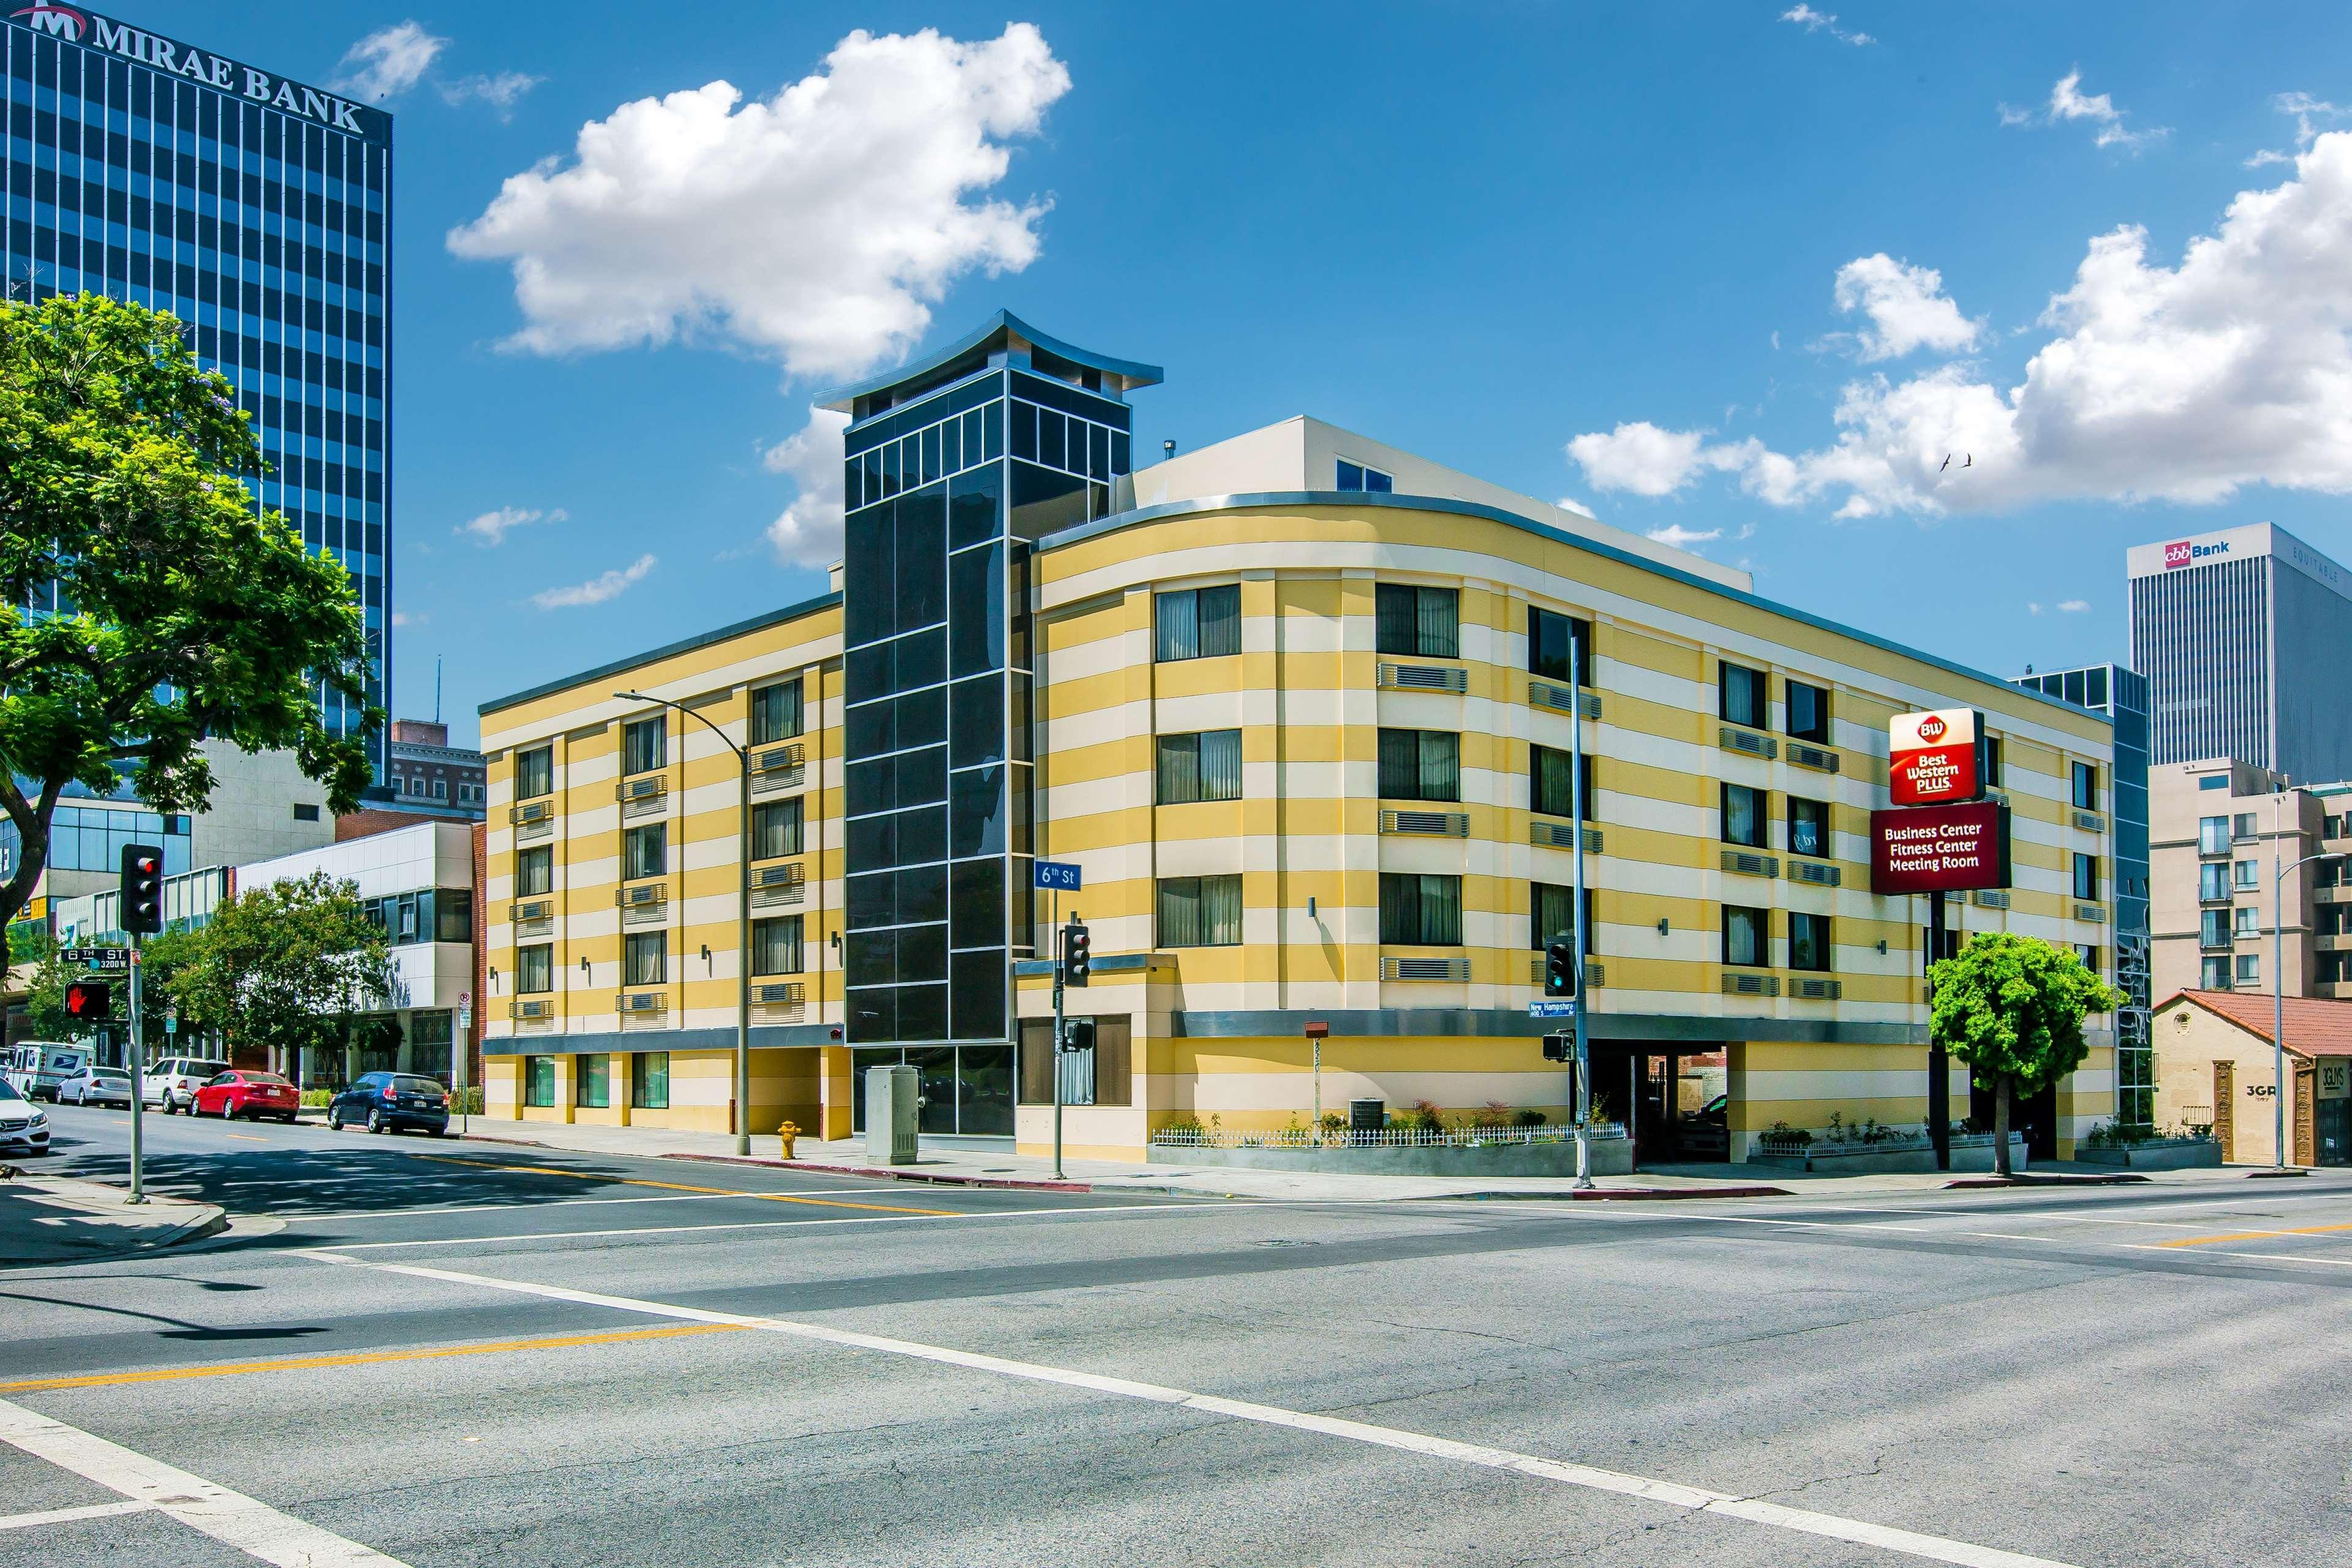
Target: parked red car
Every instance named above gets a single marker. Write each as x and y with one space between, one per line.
248 1094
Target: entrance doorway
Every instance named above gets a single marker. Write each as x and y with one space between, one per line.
1674 1103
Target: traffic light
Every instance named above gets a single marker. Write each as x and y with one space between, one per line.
1559 1047
1078 1034
142 888
1077 955
1559 968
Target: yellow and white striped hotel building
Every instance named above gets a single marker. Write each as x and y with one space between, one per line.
1301 714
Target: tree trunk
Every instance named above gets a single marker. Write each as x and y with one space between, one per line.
2001 1125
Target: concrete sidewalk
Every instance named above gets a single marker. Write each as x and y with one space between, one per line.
1002 1168
47 1220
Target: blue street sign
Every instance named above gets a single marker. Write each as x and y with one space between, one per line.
1558 1009
1057 876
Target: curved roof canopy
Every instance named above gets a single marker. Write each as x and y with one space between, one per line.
1003 338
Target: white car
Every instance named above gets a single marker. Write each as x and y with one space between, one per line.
96 1086
23 1125
173 1082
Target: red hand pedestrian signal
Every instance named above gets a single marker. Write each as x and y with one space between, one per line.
88 999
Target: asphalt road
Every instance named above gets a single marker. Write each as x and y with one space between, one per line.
460 1352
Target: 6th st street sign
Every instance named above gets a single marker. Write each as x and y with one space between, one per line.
97 957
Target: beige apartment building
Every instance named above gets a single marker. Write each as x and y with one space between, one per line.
2222 835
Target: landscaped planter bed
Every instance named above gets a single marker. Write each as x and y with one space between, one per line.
1971 1152
2156 1154
1610 1157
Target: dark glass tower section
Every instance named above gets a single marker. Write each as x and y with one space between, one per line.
257 211
954 469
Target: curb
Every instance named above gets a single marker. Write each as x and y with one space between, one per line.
2120 1178
936 1178
1618 1194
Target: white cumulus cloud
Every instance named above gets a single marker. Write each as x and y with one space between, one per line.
502 91
1907 306
816 226
596 590
2308 113
1814 21
1675 536
492 528
2183 383
387 62
2069 101
808 531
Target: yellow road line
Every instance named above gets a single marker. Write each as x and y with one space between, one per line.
362 1358
248 1138
2254 1236
681 1186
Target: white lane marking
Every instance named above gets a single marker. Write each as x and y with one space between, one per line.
231 1518
67 1515
2258 1256
1933 1548
762 1224
557 1203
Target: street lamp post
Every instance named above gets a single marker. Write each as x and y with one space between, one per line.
742 915
2278 992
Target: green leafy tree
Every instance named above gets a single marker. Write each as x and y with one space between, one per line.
287 966
2011 1007
183 615
44 994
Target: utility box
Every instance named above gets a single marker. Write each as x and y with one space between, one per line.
1367 1115
893 1109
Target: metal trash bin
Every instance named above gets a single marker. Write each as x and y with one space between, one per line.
893 1104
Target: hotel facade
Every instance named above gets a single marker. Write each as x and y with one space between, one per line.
1299 705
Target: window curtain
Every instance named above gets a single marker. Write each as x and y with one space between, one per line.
1220 620
648 958
1396 618
1420 910
1554 795
1221 765
776 829
1553 914
1740 825
1200 911
1220 911
1400 764
1440 766
1743 937
776 946
1179 626
1439 634
776 713
1180 769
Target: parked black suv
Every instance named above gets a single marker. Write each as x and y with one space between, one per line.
387 1101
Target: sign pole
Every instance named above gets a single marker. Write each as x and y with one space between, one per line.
1579 1089
1939 1066
1056 1054
138 1062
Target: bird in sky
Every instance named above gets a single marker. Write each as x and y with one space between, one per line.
1970 463
1945 464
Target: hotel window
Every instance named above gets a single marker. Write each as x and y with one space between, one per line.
2243 920
645 851
535 871
539 1082
2212 927
1742 695
645 746
2086 876
2212 835
1550 776
646 958
1745 813
1746 936
1200 623
776 829
775 713
1420 910
1808 940
2243 828
2213 882
2214 974
534 772
534 970
1203 766
1809 712
2086 786
2089 955
776 946
1808 826
1201 911
1420 764
2214 781
1551 912
1994 759
2246 874
649 1080
440 789
1355 476
592 1080
1548 639
2249 969
1418 623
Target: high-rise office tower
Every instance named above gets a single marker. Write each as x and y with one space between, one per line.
256 210
2243 635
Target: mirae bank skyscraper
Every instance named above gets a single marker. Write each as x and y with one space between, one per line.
256 210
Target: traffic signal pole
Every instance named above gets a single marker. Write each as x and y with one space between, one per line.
138 1064
1581 1091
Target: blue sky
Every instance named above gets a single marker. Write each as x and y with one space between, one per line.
1700 238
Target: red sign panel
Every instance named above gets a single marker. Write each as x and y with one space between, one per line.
1932 757
1946 848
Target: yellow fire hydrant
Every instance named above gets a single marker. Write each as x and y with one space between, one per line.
788 1133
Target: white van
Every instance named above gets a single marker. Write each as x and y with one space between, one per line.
35 1067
